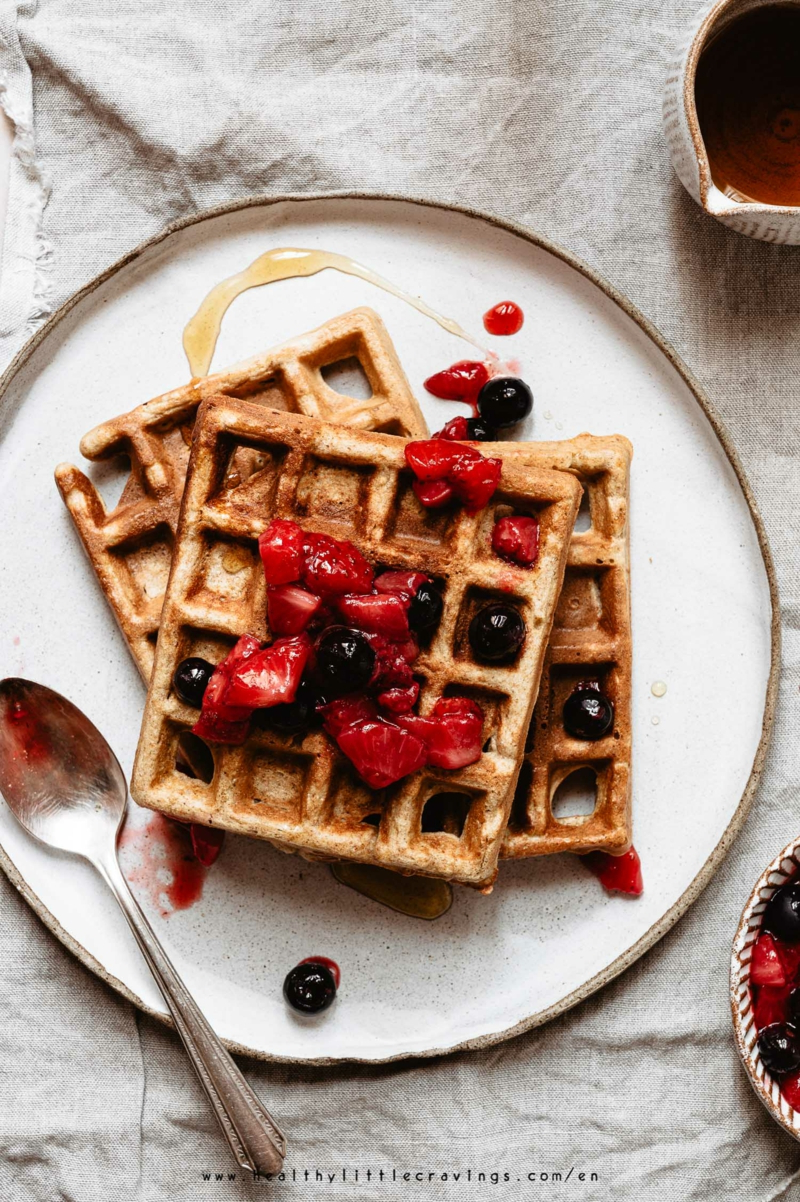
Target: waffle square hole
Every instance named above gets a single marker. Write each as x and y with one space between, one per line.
112 478
230 575
583 519
189 759
203 644
446 812
249 477
272 391
574 794
348 378
334 492
147 562
410 520
475 600
277 786
581 603
563 679
518 819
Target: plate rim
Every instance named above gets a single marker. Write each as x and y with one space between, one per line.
698 883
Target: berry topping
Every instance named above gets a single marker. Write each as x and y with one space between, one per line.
220 722
790 1088
191 680
496 632
502 319
403 584
271 676
381 752
461 382
338 715
399 700
782 915
433 494
779 1048
435 458
793 1005
310 987
381 613
345 660
617 874
281 548
206 843
588 713
425 609
766 967
292 717
290 608
471 476
479 430
467 429
771 1006
504 401
516 539
475 480
452 734
393 660
332 566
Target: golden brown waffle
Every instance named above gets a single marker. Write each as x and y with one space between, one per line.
130 547
301 793
590 640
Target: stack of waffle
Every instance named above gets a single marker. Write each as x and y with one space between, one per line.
214 462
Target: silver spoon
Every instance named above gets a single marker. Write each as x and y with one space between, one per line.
63 782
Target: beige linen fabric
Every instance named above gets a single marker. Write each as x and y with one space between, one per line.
133 114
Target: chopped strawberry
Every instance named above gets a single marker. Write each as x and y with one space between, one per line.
270 677
281 548
770 1005
381 752
290 608
402 584
332 566
381 613
517 540
453 733
220 722
790 1088
399 700
392 660
617 874
790 959
456 430
766 967
457 705
461 382
434 458
474 481
347 711
433 494
206 843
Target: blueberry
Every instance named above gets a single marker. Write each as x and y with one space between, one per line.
479 430
496 632
779 1048
504 401
191 680
588 713
292 717
309 988
345 660
425 609
782 915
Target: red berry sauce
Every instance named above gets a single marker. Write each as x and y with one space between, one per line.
158 860
331 965
461 381
505 318
617 874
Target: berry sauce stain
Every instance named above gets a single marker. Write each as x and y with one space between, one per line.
158 862
503 319
16 640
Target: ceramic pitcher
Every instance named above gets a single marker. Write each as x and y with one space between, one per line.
771 223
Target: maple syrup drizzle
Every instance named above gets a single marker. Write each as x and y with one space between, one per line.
286 263
417 896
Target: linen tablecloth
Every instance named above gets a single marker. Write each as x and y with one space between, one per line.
129 115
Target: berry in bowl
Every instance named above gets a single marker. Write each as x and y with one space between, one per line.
765 988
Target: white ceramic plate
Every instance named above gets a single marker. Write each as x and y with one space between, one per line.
703 623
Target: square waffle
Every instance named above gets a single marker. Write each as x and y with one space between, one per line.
130 546
590 640
301 793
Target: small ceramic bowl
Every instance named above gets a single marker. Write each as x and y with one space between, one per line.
767 1089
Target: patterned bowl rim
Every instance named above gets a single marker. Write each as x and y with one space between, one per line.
785 865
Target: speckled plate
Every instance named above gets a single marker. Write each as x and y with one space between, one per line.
704 609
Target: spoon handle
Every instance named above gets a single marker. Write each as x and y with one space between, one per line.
256 1141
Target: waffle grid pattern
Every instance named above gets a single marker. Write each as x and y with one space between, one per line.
301 793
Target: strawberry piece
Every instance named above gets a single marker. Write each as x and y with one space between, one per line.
333 566
344 712
474 481
392 660
456 430
399 700
281 548
270 677
457 705
402 584
453 733
517 540
381 752
790 1088
461 382
290 609
790 958
770 1006
206 843
766 967
433 494
381 613
220 722
617 874
435 458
